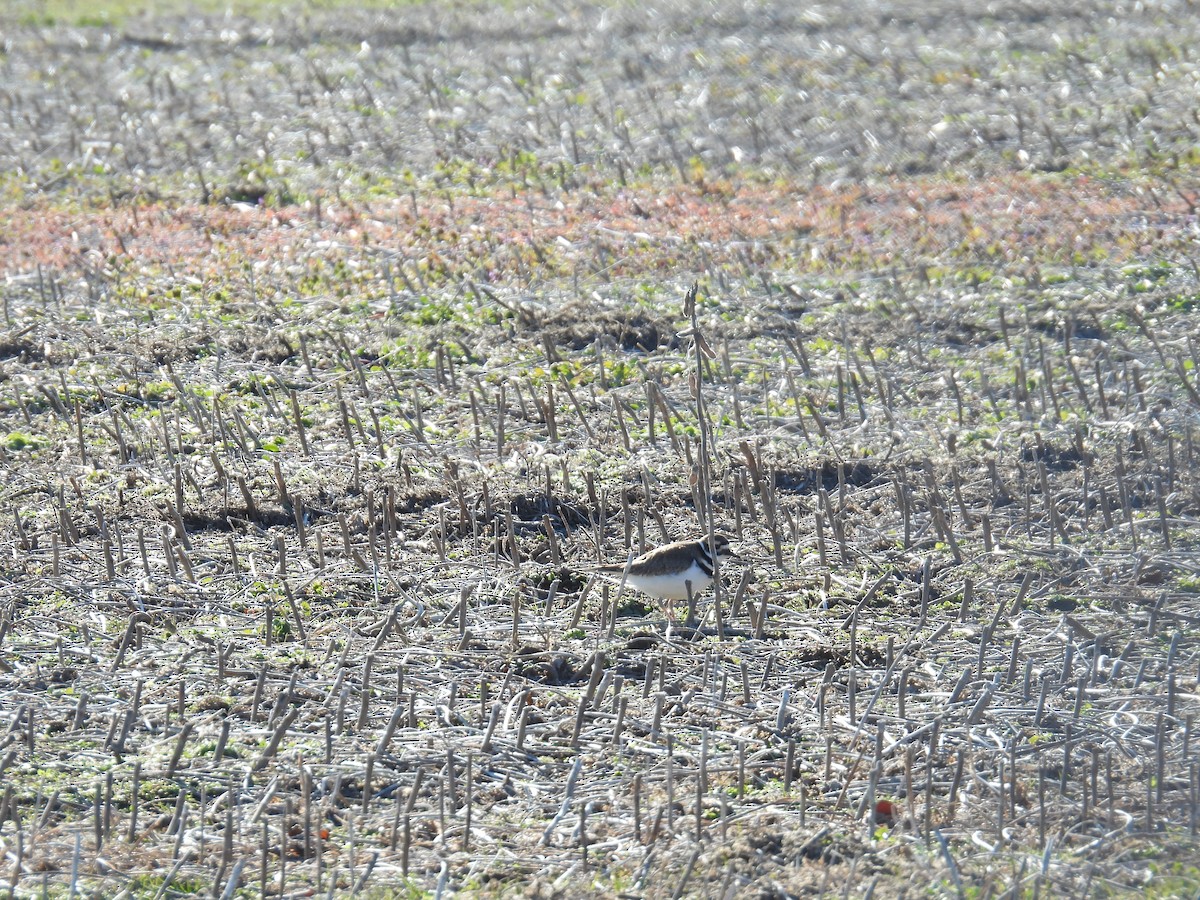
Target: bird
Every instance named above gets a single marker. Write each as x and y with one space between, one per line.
673 571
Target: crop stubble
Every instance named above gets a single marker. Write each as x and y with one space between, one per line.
300 493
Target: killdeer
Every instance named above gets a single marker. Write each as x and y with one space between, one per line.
668 572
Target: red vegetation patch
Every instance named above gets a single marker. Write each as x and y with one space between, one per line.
1047 219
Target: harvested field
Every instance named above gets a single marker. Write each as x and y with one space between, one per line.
340 343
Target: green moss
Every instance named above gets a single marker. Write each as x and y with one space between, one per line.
17 441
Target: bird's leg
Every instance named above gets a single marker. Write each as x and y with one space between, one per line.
691 604
669 610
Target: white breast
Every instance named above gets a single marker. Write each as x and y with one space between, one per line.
671 587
